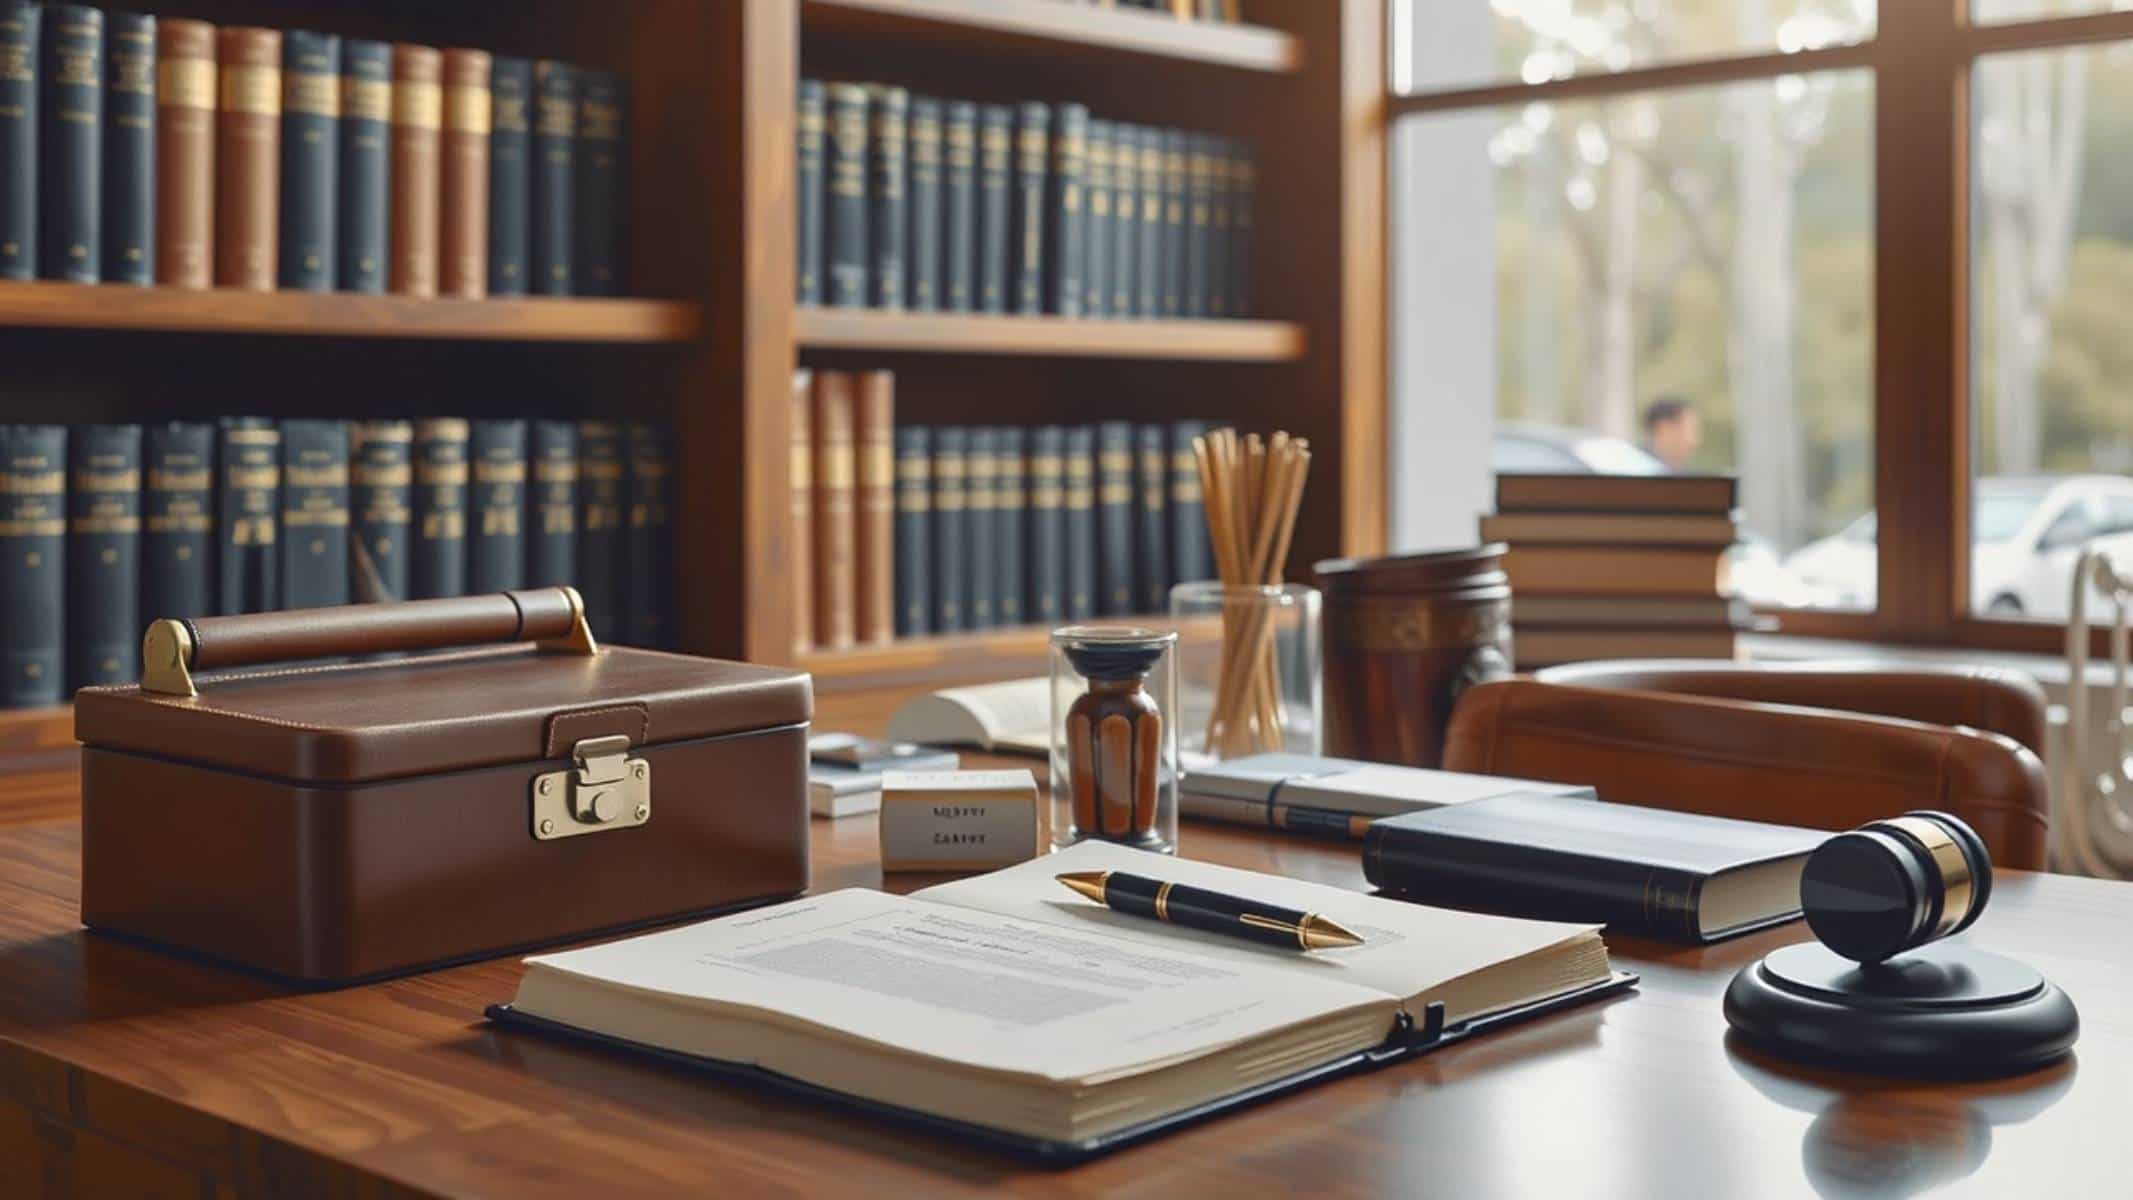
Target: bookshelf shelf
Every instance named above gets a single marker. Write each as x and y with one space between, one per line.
335 314
956 333
1053 25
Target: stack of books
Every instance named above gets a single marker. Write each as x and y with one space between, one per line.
1617 566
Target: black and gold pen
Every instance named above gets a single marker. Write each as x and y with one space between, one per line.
1198 908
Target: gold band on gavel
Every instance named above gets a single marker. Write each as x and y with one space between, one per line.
1958 888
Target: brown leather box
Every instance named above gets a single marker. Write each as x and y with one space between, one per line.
332 823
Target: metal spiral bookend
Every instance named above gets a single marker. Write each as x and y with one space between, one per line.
2092 827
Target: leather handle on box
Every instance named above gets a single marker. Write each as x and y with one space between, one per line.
174 649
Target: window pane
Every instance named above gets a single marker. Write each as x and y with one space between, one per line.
1999 11
1440 44
2051 284
1707 250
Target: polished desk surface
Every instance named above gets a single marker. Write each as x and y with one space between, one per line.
125 1072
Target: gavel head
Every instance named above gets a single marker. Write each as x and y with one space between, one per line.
1894 885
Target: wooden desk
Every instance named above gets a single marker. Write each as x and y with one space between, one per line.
125 1072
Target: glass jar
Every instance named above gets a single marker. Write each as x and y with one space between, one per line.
1114 737
1249 665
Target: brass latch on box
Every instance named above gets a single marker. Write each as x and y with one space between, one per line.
608 790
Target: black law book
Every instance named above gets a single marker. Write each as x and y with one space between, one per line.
844 208
510 174
103 555
314 513
914 530
247 515
1151 222
1674 875
922 181
603 494
995 207
1097 195
71 145
1244 174
178 521
1191 554
1176 227
888 195
1199 227
959 205
496 506
1046 594
1151 539
951 562
551 210
1125 220
1010 500
1026 241
1221 208
438 559
552 505
980 586
129 149
21 58
33 565
603 136
651 544
811 126
381 500
310 158
1115 489
1067 220
364 209
1078 462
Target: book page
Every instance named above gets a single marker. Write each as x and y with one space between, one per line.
1013 712
987 991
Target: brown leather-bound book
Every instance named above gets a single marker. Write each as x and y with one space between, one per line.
463 255
418 120
803 510
185 153
248 159
834 533
874 554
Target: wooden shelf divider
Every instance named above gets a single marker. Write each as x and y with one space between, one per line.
1068 337
1052 25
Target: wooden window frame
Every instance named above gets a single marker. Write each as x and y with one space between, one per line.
1921 57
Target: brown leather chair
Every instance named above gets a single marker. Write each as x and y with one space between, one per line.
1825 745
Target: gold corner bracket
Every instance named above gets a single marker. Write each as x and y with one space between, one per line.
167 658
580 638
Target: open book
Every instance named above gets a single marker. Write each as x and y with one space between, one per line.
1006 1002
1014 717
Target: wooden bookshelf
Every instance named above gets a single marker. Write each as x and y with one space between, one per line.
1059 337
1060 26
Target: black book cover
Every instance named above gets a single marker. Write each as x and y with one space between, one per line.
71 145
1068 218
1570 858
995 206
364 208
552 221
651 545
510 174
552 520
1175 226
844 209
1191 554
103 555
1125 221
33 565
1221 208
439 557
1115 476
1152 540
1199 217
1098 192
247 515
959 206
811 126
951 461
888 194
914 530
1010 500
178 523
310 158
1079 502
1046 595
1025 277
603 131
381 503
496 504
20 59
314 513
1152 223
1243 178
980 587
129 148
922 181
603 492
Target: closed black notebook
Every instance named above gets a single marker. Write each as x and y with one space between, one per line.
811 126
71 144
364 209
310 159
510 173
103 555
440 530
951 525
247 515
914 530
33 565
1010 503
21 24
496 505
888 195
178 521
1674 875
129 149
314 514
995 207
381 506
552 505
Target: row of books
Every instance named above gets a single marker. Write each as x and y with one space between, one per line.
927 205
109 527
143 151
1618 566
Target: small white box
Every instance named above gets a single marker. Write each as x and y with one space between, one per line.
957 820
